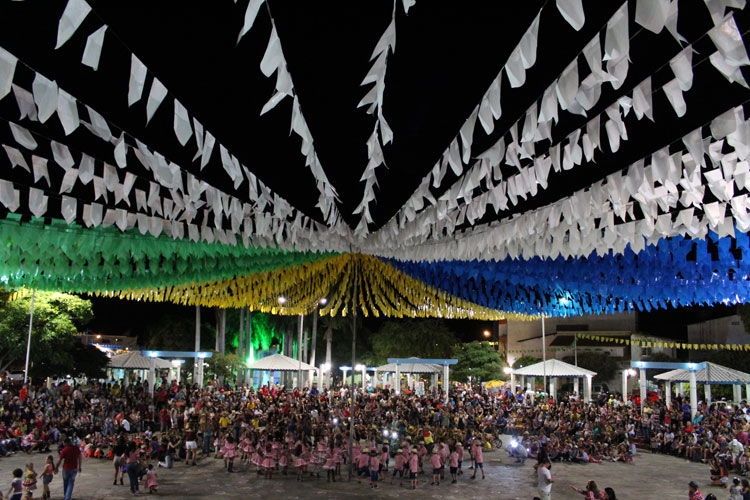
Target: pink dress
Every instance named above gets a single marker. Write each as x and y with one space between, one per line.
269 462
229 450
151 480
284 460
300 463
257 458
330 463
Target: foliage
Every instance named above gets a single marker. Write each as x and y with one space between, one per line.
737 360
80 359
426 338
478 360
173 332
604 366
223 365
57 319
659 357
525 360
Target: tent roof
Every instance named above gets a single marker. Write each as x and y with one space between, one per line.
134 360
712 374
279 362
554 368
411 367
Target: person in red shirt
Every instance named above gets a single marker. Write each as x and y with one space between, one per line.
23 393
70 457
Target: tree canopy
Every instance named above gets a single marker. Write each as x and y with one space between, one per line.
525 360
604 366
58 317
477 359
425 338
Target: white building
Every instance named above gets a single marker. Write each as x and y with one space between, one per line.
726 330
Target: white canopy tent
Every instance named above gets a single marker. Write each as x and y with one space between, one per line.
279 363
712 374
554 369
411 369
134 360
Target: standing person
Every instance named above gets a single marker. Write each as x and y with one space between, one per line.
609 494
477 455
693 491
413 468
545 480
436 464
191 444
70 457
16 486
735 491
374 468
47 475
133 466
453 461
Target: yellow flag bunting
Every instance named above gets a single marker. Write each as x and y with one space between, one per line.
661 343
380 290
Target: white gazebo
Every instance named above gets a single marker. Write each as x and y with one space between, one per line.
554 369
710 375
280 363
134 360
410 369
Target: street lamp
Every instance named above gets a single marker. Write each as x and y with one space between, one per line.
486 334
361 368
323 301
507 370
282 300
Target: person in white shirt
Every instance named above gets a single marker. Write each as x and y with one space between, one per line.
545 479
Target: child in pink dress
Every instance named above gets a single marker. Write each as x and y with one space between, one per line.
230 452
299 462
269 462
330 463
283 459
151 483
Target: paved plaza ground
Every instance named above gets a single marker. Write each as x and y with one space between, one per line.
652 477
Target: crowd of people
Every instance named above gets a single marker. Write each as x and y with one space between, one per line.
397 438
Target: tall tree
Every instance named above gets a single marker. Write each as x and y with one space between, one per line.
58 317
422 338
478 360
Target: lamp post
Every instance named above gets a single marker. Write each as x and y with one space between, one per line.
28 342
625 374
361 368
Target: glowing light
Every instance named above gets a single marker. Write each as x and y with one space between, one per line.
282 300
325 367
335 421
98 337
486 334
359 367
513 443
507 370
631 372
323 301
386 433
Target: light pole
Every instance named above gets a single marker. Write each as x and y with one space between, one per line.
361 368
28 342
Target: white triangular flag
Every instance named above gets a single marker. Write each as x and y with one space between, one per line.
86 169
572 11
40 169
16 158
45 97
69 180
642 103
99 125
652 14
682 67
674 94
25 102
23 136
181 123
9 196
273 57
137 80
69 209
250 14
67 112
93 51
7 70
72 17
155 97
37 202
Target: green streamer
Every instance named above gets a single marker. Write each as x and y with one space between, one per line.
58 256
